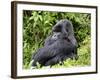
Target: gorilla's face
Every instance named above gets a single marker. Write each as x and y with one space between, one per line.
64 28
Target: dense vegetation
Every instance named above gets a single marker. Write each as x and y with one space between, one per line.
37 26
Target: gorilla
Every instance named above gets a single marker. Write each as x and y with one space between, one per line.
59 46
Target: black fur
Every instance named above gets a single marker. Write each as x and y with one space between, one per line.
59 46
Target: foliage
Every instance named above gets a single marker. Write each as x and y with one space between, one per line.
37 26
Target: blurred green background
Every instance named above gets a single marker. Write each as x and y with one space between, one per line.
37 26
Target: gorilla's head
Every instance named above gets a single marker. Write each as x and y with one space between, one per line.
65 27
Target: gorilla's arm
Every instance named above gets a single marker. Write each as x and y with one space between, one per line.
57 50
44 54
53 60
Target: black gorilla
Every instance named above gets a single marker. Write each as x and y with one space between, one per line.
59 46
